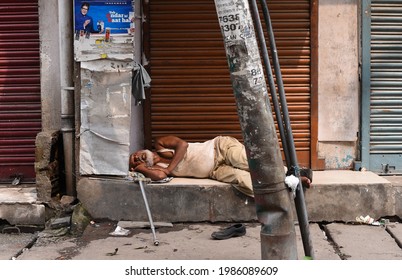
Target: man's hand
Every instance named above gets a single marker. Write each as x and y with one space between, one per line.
138 165
164 170
88 21
152 172
134 165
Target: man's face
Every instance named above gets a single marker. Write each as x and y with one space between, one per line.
143 156
84 10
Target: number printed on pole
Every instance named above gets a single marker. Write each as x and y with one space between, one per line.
238 32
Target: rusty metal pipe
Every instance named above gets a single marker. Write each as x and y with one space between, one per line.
67 91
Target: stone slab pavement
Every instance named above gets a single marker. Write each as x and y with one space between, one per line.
13 244
334 241
365 242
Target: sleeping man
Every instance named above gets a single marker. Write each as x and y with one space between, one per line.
222 158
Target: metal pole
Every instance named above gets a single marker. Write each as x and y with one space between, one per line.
272 87
272 197
141 183
299 199
67 91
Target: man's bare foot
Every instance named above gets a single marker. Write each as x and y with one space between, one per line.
305 182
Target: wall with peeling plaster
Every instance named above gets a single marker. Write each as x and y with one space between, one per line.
338 155
50 65
338 86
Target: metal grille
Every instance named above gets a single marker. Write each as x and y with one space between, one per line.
191 93
20 106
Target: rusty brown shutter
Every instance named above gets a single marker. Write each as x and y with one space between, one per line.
191 94
20 104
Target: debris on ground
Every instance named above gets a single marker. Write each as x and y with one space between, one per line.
114 253
119 231
140 224
370 221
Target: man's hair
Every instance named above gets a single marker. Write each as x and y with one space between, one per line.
85 4
150 157
149 160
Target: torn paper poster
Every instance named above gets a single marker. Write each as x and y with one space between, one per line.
96 47
105 117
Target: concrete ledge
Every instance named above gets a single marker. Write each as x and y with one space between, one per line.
18 194
345 195
396 182
19 206
334 196
23 213
181 200
398 201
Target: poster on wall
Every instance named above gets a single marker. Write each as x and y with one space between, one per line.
97 17
103 29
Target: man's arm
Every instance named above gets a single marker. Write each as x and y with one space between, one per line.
175 143
155 174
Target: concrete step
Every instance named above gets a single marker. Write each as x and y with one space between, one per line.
181 200
339 195
19 206
345 195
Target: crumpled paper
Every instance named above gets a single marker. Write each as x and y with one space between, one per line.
367 220
292 182
119 231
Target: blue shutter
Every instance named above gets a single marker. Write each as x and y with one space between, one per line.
383 97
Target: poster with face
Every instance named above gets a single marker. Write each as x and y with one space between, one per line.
103 29
102 17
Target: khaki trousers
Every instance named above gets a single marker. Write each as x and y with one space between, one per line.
231 165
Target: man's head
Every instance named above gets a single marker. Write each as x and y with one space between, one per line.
142 156
84 8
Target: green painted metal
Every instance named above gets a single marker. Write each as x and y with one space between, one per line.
381 139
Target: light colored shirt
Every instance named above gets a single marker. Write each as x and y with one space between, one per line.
198 162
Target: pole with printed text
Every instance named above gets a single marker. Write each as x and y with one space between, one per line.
272 197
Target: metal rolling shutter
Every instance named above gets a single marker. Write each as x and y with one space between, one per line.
20 104
191 93
386 77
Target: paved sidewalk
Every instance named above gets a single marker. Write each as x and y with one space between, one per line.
334 241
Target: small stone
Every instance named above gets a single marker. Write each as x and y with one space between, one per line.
60 222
